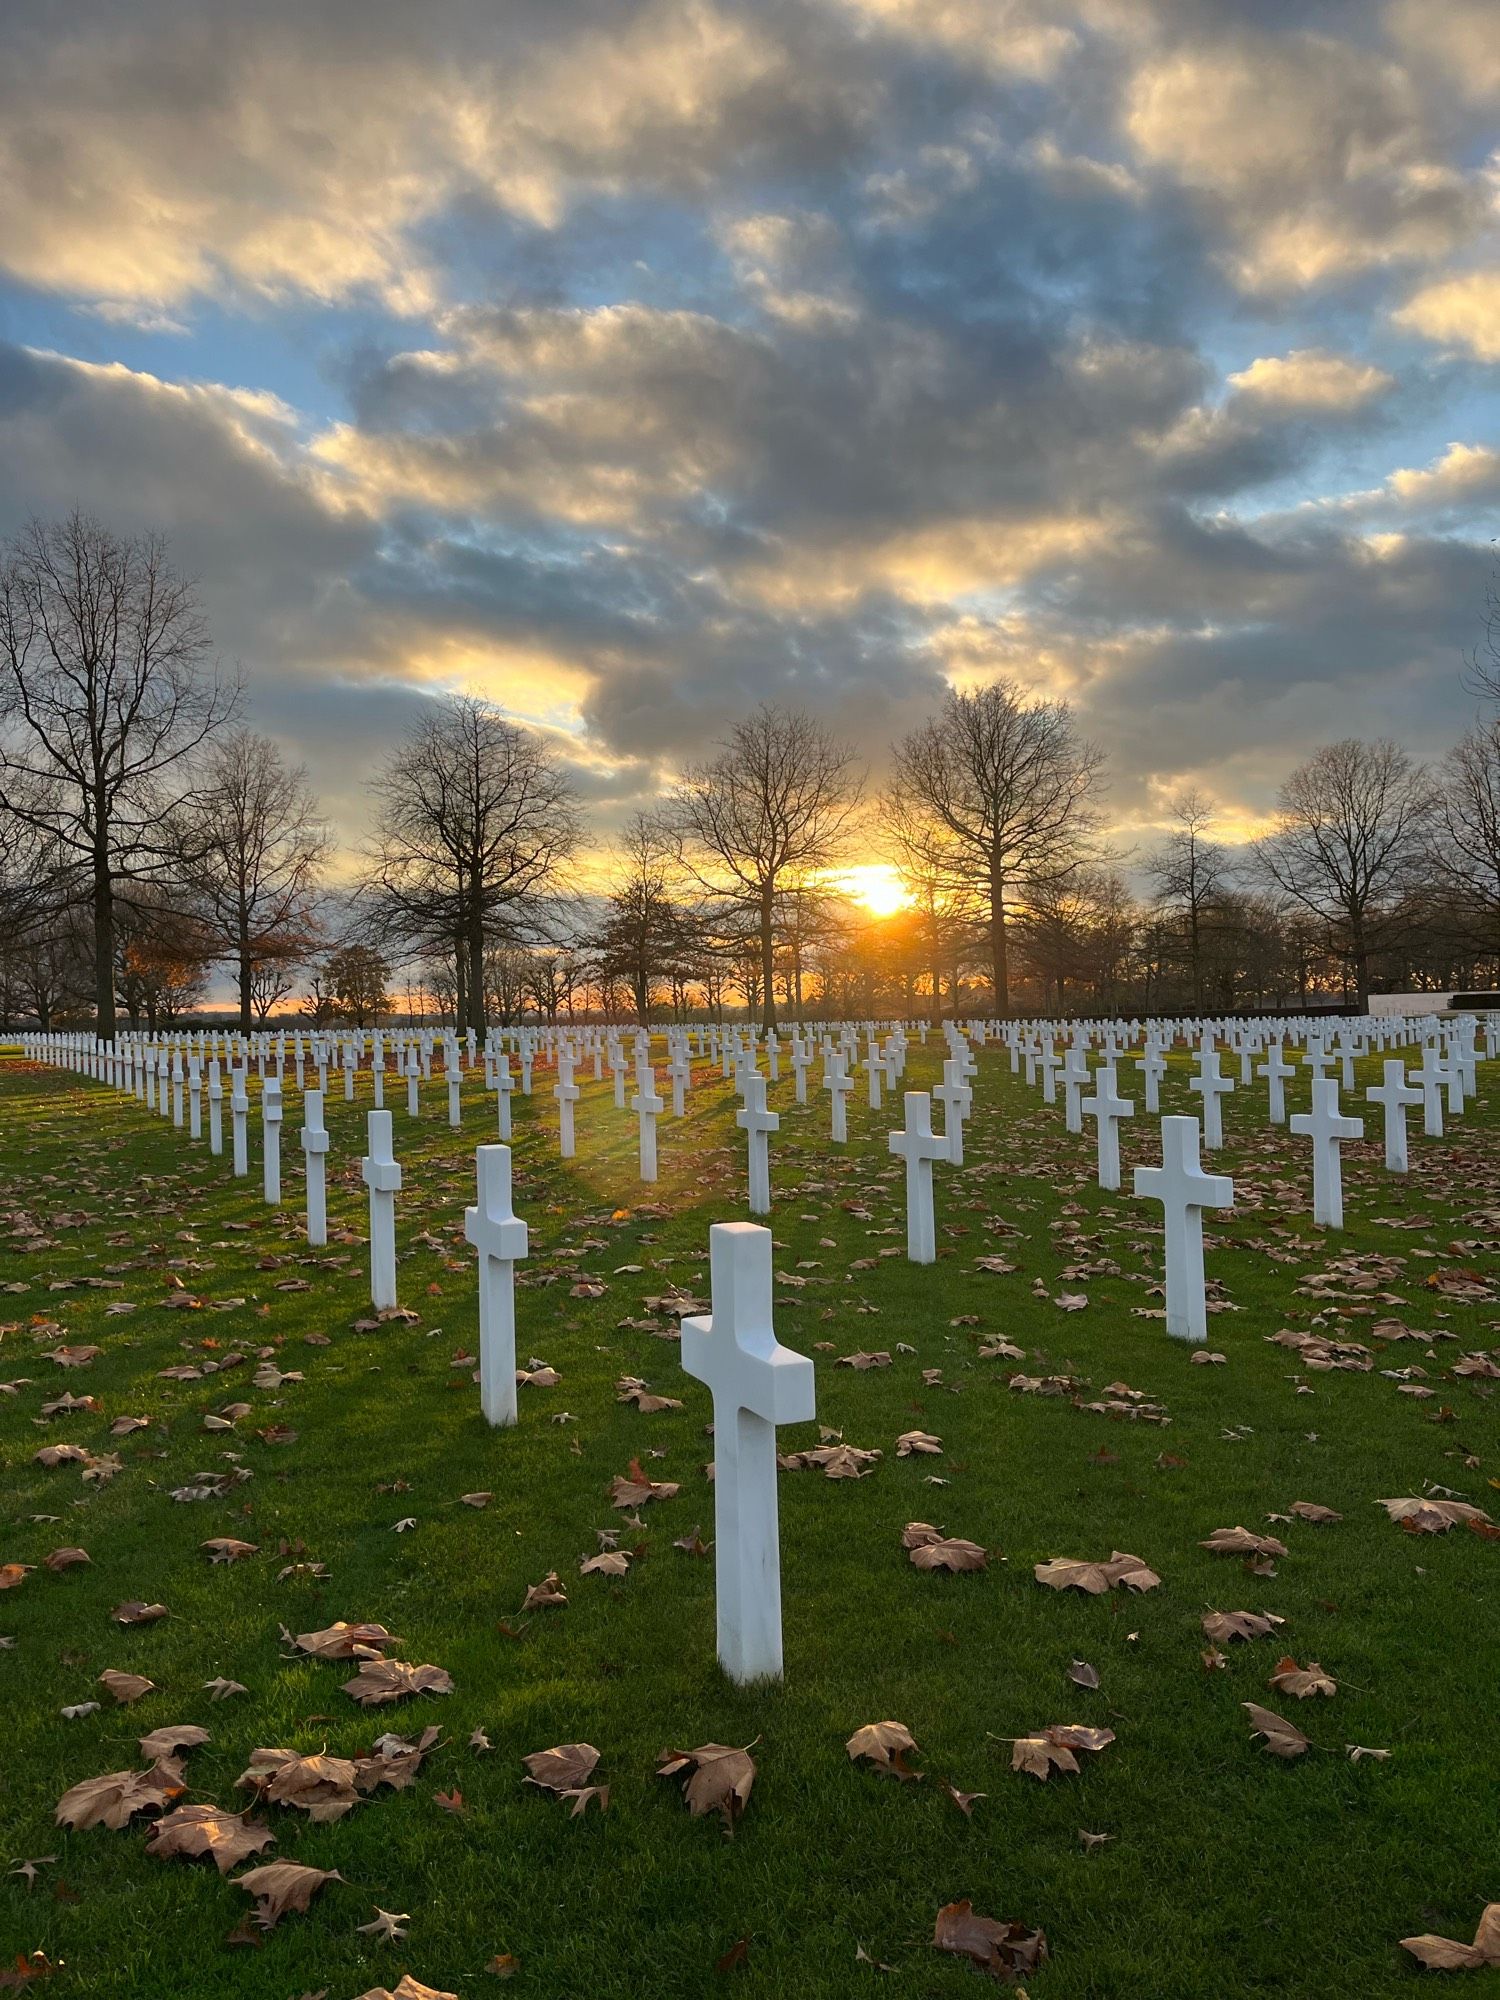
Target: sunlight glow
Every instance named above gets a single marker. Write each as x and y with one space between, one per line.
876 885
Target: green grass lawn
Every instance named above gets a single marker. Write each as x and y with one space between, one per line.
1226 1871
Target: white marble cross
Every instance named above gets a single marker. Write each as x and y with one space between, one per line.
177 1088
270 1133
413 1074
648 1107
1211 1084
919 1146
955 1097
1152 1065
1108 1107
455 1080
1431 1078
565 1090
838 1084
499 1235
1184 1191
195 1098
1075 1074
382 1177
681 1073
314 1148
504 1085
758 1124
756 1385
239 1106
1276 1071
1326 1127
215 1108
1394 1095
1048 1065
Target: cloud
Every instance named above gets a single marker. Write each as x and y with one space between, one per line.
1465 472
1461 311
1311 378
1313 152
1456 37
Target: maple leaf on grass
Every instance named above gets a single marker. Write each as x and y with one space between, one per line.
225 1549
394 1760
321 1786
387 1925
126 1687
635 1487
116 1798
410 1989
1222 1626
1095 1578
380 1681
885 1745
1005 1951
1440 1954
173 1739
548 1595
136 1613
921 1442
1427 1516
192 1830
281 1886
564 1771
1242 1542
929 1548
719 1779
1053 1749
345 1642
1283 1738
1289 1678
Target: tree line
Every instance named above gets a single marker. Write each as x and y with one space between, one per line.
150 840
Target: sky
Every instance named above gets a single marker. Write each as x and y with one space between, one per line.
631 363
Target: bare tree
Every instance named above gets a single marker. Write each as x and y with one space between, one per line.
1348 830
1463 850
995 796
476 820
771 812
1189 870
644 932
256 843
105 696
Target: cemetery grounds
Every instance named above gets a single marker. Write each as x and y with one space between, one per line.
1222 1868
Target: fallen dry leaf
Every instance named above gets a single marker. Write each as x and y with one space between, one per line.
1121 1571
1052 1749
191 1830
1005 1951
885 1745
116 1798
719 1779
280 1886
1441 1954
1289 1678
380 1681
1283 1738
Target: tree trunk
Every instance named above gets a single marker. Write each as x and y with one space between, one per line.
767 967
999 943
104 946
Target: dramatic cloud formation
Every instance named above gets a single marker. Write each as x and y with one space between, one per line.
633 361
